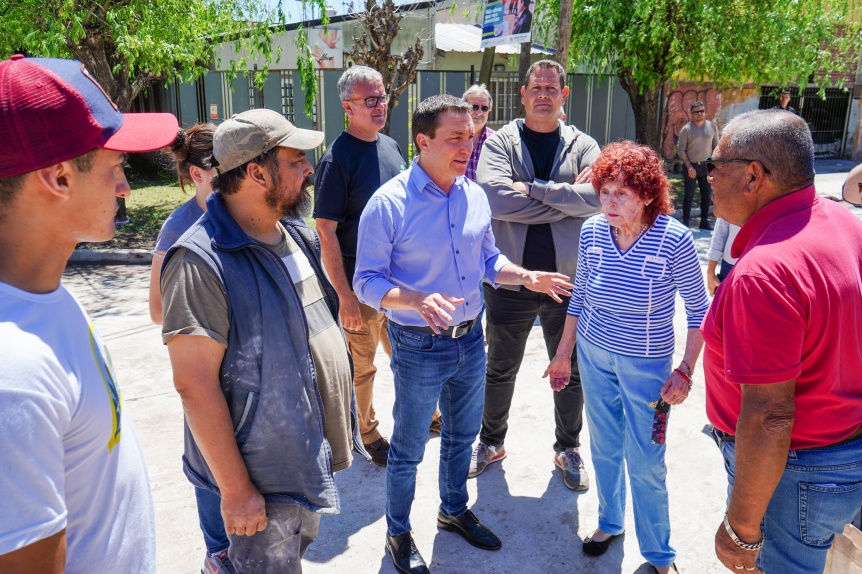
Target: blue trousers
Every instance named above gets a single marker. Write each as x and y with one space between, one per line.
211 522
819 492
429 369
618 391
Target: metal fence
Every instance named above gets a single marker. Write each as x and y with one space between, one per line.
827 117
597 105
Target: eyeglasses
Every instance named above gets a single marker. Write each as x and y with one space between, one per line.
485 109
372 101
712 163
698 112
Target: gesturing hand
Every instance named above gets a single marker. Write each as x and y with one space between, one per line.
435 309
552 284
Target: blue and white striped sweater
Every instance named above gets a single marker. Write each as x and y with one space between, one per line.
624 301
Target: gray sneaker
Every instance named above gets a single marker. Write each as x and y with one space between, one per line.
483 455
574 473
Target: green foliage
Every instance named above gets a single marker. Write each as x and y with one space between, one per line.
729 42
304 58
127 43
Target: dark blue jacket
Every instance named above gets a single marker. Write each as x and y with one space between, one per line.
267 374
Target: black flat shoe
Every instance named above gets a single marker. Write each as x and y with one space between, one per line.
470 529
405 555
595 548
672 567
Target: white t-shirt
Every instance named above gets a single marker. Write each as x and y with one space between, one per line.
69 456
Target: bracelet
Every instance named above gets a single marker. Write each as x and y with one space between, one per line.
744 545
687 366
685 377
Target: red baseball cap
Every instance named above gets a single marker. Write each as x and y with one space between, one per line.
53 110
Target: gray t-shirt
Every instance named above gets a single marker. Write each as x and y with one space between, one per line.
194 304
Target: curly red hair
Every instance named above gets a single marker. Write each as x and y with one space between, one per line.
639 168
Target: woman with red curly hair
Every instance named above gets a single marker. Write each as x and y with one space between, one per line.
632 260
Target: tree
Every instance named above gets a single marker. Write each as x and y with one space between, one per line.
647 43
126 44
374 49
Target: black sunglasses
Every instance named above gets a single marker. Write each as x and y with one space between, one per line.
698 112
477 107
373 101
711 163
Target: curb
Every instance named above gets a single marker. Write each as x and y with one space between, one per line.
111 257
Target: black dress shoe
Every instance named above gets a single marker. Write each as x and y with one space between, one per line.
707 226
596 548
405 555
469 527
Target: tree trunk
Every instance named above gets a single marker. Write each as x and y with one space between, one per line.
645 105
523 66
487 65
93 53
564 34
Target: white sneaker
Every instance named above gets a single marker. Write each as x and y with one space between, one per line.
483 455
574 472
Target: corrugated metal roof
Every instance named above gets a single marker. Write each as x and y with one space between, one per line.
467 38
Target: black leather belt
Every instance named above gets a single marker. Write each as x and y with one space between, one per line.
455 331
721 436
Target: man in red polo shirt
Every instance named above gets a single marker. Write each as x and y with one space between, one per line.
783 358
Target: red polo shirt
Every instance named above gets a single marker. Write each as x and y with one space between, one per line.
791 309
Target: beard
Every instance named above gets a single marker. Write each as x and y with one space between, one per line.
294 205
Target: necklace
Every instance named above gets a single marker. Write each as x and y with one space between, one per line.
617 232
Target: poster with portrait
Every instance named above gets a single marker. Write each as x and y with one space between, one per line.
507 22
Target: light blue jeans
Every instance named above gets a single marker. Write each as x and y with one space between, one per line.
819 492
617 393
428 368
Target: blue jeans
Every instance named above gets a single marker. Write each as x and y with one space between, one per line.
819 492
429 369
211 521
617 393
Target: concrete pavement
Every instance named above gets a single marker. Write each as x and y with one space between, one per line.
522 499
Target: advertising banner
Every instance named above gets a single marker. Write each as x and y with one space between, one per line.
507 22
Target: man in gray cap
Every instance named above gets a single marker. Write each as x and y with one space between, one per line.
258 354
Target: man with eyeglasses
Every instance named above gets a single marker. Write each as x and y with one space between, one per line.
479 99
697 139
783 355
354 166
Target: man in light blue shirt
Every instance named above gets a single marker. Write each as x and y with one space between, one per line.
425 246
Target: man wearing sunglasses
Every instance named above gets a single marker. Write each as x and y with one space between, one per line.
783 354
697 139
479 99
354 166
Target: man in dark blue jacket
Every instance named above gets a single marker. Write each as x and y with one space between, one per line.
258 354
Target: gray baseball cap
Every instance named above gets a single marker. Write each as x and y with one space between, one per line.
247 135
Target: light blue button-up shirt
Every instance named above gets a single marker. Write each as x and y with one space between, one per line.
414 235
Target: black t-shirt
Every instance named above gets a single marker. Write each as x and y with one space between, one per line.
539 251
348 174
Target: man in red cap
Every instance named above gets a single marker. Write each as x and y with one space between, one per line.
75 492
